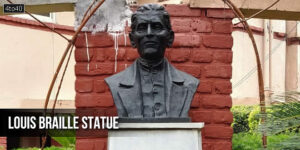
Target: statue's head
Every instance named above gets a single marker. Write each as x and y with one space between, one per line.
151 31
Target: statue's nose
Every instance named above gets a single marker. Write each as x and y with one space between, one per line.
149 30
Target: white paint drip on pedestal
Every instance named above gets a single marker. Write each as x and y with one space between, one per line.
125 39
116 46
112 16
87 52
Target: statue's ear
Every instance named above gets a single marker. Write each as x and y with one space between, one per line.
133 44
171 39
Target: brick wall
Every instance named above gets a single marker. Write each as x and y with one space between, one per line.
3 143
202 47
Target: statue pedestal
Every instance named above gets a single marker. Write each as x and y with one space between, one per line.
156 136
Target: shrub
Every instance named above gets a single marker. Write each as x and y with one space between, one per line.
254 118
282 126
66 138
284 117
66 141
240 118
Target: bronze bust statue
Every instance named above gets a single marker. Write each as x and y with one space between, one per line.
151 87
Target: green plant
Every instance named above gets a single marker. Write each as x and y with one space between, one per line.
254 118
283 117
287 141
66 141
66 138
282 126
246 141
240 118
252 141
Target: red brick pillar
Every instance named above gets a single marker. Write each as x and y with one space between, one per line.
3 143
202 47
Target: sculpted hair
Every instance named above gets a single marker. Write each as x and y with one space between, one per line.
151 8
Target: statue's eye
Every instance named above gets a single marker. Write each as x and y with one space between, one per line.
157 26
142 27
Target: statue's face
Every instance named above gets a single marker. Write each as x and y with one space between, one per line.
151 36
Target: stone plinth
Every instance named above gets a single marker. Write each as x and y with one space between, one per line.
156 136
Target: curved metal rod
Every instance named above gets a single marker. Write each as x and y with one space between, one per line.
241 16
70 44
257 13
67 50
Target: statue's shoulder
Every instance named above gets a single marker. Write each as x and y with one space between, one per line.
114 79
189 80
121 76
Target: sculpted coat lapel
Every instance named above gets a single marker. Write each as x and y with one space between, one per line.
126 91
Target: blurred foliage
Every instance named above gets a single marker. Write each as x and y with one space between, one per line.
245 118
240 118
283 117
66 138
252 141
289 141
66 141
282 124
254 118
246 141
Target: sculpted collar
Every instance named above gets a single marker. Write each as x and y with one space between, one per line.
151 66
129 76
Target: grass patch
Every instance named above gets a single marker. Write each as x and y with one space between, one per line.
252 141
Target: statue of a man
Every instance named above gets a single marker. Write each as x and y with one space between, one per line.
151 87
